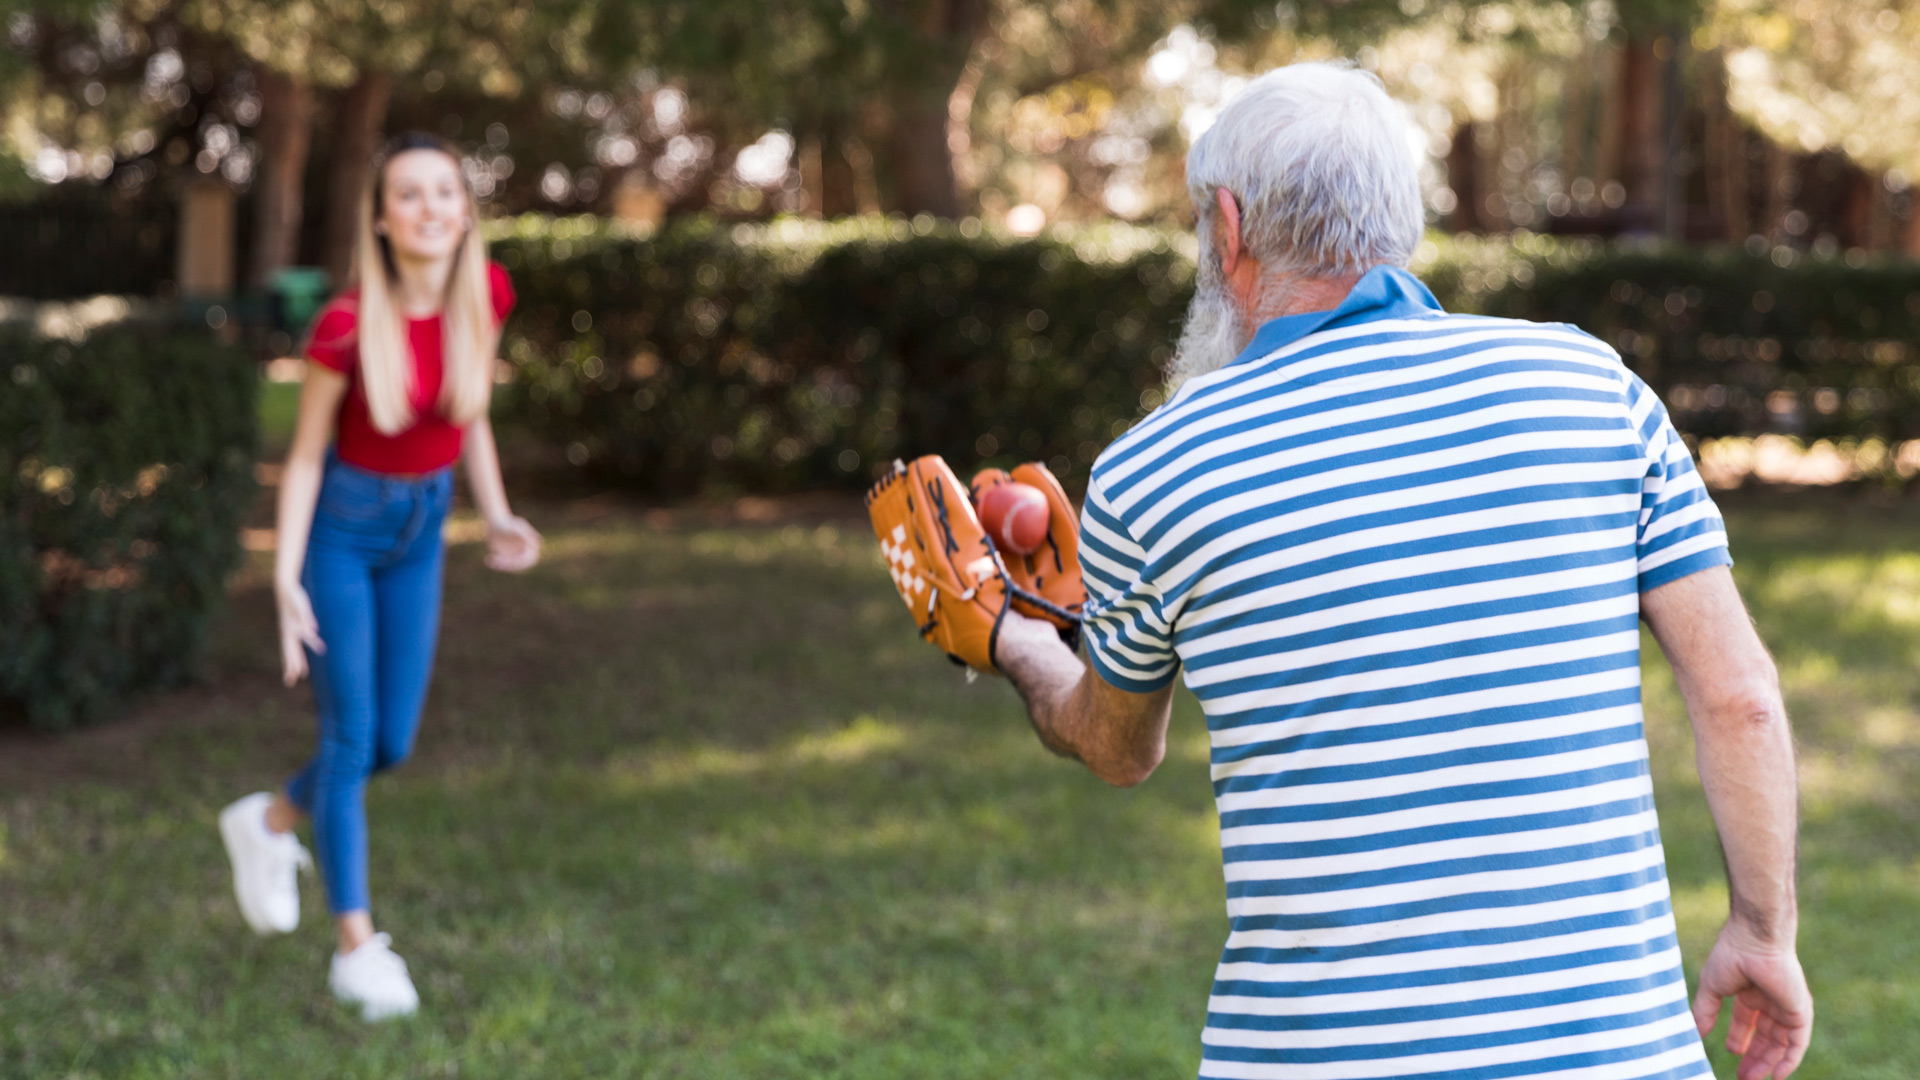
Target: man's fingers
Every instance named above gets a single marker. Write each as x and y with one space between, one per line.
1746 1020
1796 1049
1706 1009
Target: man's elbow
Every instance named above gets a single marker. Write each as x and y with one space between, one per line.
1132 769
1753 711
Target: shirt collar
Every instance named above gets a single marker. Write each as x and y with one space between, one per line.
1384 292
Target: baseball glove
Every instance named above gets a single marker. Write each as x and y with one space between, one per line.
1047 581
940 558
955 585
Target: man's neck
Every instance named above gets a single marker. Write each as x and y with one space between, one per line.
1283 296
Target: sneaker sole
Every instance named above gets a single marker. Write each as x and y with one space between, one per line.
229 838
370 1012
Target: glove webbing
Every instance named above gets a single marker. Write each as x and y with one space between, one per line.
938 499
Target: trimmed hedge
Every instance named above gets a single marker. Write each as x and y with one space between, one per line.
781 357
1737 342
808 354
126 463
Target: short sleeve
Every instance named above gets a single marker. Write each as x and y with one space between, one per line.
500 289
1129 637
334 340
1680 530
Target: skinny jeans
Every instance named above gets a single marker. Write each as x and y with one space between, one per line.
373 573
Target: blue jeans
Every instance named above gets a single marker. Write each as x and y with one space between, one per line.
373 573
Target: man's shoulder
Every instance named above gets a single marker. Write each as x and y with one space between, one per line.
1449 322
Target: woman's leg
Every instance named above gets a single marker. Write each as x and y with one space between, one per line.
332 788
407 622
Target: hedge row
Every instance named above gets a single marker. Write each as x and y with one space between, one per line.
773 358
126 462
1738 342
793 355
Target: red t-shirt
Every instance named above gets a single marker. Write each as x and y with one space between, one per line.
433 441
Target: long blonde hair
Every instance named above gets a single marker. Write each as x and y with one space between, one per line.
467 320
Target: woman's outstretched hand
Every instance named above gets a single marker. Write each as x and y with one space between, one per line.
299 631
512 545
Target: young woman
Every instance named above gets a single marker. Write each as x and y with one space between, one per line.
398 378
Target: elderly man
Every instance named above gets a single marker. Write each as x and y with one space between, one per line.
1402 557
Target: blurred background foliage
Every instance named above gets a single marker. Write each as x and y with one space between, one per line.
768 246
1790 121
804 355
126 464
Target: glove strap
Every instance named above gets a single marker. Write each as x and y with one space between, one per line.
1042 603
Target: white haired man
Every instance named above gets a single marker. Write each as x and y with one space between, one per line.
1402 556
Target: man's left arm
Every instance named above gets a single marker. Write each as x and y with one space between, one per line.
1120 735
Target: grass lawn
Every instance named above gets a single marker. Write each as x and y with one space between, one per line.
690 800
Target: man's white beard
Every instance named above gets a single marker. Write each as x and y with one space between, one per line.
1211 337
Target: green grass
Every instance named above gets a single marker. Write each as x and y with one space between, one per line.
691 801
279 408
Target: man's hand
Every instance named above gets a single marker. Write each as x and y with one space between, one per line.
1120 736
1772 1008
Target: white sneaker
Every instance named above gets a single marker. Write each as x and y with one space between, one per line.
375 978
266 865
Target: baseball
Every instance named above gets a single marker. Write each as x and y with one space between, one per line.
1016 516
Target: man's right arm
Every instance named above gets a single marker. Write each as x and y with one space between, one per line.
1745 754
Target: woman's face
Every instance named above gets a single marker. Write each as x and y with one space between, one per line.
423 207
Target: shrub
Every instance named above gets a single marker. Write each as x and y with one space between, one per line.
126 462
771 358
1737 342
796 354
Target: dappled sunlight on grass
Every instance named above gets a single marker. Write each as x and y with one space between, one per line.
691 800
668 767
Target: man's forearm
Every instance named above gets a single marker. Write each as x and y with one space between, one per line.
1745 748
1745 755
1046 675
1120 736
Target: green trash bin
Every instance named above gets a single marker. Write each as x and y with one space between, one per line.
298 292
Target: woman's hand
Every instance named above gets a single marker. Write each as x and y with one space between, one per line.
512 544
299 631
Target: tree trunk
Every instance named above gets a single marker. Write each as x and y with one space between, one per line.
838 184
359 120
1856 215
1782 186
1642 136
1463 162
919 145
1910 234
284 134
826 174
923 176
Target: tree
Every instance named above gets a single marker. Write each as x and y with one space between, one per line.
1841 75
900 79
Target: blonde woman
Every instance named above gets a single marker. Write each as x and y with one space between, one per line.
399 373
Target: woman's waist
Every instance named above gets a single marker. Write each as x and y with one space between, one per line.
402 474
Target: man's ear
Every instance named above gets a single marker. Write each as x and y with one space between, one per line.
1230 226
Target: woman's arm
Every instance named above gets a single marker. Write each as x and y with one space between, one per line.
512 544
320 397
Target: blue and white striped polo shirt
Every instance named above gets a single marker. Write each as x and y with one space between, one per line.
1399 554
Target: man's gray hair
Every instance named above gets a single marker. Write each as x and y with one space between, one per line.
1318 159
